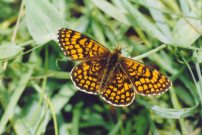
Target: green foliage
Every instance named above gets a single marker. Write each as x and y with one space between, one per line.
37 95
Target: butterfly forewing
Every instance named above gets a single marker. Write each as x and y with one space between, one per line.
119 91
87 75
78 46
147 80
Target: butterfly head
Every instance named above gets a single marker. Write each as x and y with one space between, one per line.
117 50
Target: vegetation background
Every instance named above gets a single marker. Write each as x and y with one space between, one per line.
38 97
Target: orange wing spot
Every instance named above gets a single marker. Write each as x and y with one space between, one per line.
161 80
85 67
75 74
93 84
76 36
79 50
73 51
113 94
111 98
108 91
90 45
147 80
80 76
140 88
122 90
117 97
155 86
147 73
73 42
75 56
86 86
90 78
88 82
150 85
158 84
152 90
137 83
123 96
119 85
140 69
128 99
82 81
127 94
70 46
142 80
152 81
126 86
67 35
145 86
115 89
82 41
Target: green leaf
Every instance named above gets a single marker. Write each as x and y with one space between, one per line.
170 113
42 20
187 31
9 51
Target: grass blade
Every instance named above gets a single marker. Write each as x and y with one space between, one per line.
9 112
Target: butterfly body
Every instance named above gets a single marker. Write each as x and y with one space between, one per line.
113 60
114 77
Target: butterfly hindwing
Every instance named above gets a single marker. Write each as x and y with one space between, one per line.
78 46
147 80
119 91
87 75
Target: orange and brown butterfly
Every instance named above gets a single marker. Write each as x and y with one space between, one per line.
114 77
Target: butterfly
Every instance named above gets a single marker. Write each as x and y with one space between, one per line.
111 75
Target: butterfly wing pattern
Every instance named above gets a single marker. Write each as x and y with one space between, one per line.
78 46
146 80
119 91
129 76
87 75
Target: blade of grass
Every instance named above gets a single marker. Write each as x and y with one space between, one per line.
76 119
177 105
136 18
184 6
116 128
158 16
149 52
111 10
9 112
